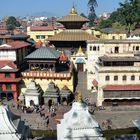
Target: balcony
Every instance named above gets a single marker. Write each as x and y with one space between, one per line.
46 74
117 68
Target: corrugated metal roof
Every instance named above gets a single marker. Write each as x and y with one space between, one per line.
72 35
44 53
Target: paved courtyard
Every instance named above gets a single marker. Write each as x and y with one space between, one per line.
121 117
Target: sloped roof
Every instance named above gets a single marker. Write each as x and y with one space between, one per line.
72 18
44 53
112 30
9 63
14 45
122 87
72 35
42 28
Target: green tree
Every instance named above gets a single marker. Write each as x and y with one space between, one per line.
92 15
105 24
83 15
12 23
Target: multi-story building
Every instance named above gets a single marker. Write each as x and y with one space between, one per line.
117 80
11 64
48 65
97 48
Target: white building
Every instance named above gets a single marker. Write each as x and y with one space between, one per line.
116 48
10 128
78 124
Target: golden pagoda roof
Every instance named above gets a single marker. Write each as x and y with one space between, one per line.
73 17
72 35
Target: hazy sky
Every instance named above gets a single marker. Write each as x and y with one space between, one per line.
52 7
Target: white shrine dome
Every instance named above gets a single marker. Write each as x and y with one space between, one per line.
79 113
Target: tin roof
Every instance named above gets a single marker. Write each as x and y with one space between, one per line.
44 53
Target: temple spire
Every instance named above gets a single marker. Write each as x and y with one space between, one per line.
79 97
73 10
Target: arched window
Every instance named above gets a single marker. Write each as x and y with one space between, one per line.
124 78
94 48
137 48
90 48
133 77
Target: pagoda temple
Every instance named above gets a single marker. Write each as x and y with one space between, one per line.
73 35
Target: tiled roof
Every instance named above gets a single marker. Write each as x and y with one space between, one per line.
95 83
42 28
38 44
122 87
63 57
112 30
9 63
14 45
44 53
72 18
72 35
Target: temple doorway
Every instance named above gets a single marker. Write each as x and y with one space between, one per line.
80 67
31 103
50 103
64 101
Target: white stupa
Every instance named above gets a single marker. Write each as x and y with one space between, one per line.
11 127
78 124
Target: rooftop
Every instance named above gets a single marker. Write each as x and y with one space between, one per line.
14 45
72 35
44 53
42 28
112 30
122 87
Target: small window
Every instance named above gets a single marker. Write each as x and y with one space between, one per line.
124 78
7 75
42 36
94 48
113 37
121 37
90 48
107 78
8 87
116 49
137 48
37 36
98 48
133 48
116 78
132 77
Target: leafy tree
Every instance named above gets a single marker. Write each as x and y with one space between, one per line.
92 15
105 24
12 23
83 15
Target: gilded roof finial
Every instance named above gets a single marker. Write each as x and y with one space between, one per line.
80 50
79 97
73 10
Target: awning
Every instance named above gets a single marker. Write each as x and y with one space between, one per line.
80 61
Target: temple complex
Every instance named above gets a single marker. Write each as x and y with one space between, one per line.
47 65
73 36
78 124
11 126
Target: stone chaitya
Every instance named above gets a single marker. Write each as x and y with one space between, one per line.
51 95
78 124
33 94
